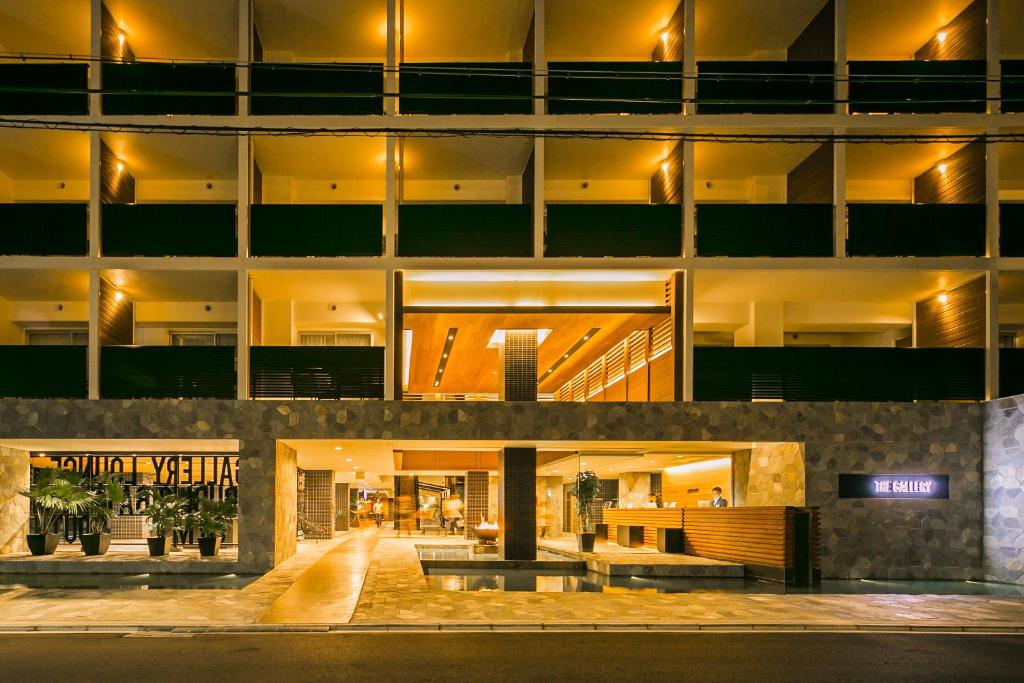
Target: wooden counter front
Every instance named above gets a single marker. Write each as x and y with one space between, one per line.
651 519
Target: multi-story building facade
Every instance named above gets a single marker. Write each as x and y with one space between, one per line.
718 225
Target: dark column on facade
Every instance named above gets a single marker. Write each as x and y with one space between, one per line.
519 365
517 503
341 522
476 500
404 486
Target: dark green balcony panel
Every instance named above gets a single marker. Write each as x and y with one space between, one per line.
915 230
321 372
597 230
764 230
615 87
1011 228
466 88
49 89
765 87
316 230
465 230
316 89
838 374
44 229
1012 88
1011 372
167 372
43 372
156 88
917 87
169 230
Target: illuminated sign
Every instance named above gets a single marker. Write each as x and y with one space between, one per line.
894 486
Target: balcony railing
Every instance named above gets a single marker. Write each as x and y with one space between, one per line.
1011 228
316 230
615 88
765 87
466 88
43 372
764 230
917 87
157 88
465 230
317 372
916 230
838 374
44 229
598 230
47 89
169 230
316 89
1011 372
1012 88
167 372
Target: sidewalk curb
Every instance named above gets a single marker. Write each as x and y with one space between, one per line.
507 627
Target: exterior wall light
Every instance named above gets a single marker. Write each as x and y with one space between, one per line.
942 167
120 166
943 298
940 36
118 296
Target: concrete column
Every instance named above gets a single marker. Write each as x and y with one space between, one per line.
539 214
394 354
839 197
390 196
243 334
14 509
842 90
95 192
764 326
267 497
689 202
540 64
993 90
517 503
93 355
391 61
95 50
991 335
677 284
690 58
992 230
687 336
244 193
245 20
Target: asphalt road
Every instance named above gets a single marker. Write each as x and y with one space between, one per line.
454 657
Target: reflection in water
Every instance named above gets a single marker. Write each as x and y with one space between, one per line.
126 582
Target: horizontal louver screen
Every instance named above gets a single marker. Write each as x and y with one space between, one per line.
1012 71
465 230
598 230
167 372
1011 372
764 230
615 87
765 87
53 89
917 87
466 88
321 372
316 89
916 230
169 230
316 230
1011 229
44 229
838 374
43 372
162 88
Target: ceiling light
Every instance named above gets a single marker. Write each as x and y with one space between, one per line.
355 467
380 316
120 166
664 166
940 36
121 38
348 459
118 295
942 167
943 298
664 37
337 448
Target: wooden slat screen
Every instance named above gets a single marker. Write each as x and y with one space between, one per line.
595 377
661 338
962 181
812 181
957 322
754 535
579 386
638 340
964 36
117 318
615 362
320 372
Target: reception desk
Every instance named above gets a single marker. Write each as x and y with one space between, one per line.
778 542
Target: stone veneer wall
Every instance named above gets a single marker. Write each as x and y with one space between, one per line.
938 539
775 475
1004 490
634 488
14 509
267 494
549 506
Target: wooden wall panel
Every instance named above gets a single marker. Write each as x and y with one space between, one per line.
637 385
115 187
257 184
687 488
529 41
256 319
117 318
811 181
959 322
661 381
616 392
817 41
671 50
110 46
963 181
667 184
965 36
754 535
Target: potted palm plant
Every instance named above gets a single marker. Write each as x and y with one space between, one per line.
211 521
105 504
54 493
585 490
166 515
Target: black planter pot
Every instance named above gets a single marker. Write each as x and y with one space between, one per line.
95 544
586 542
43 544
159 545
209 546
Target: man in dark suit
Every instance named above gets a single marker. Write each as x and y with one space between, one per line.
716 498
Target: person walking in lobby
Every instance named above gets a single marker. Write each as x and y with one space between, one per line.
378 512
453 512
716 498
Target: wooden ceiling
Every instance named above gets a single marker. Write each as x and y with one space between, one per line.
473 368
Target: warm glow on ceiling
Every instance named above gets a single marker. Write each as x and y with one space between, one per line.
704 466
